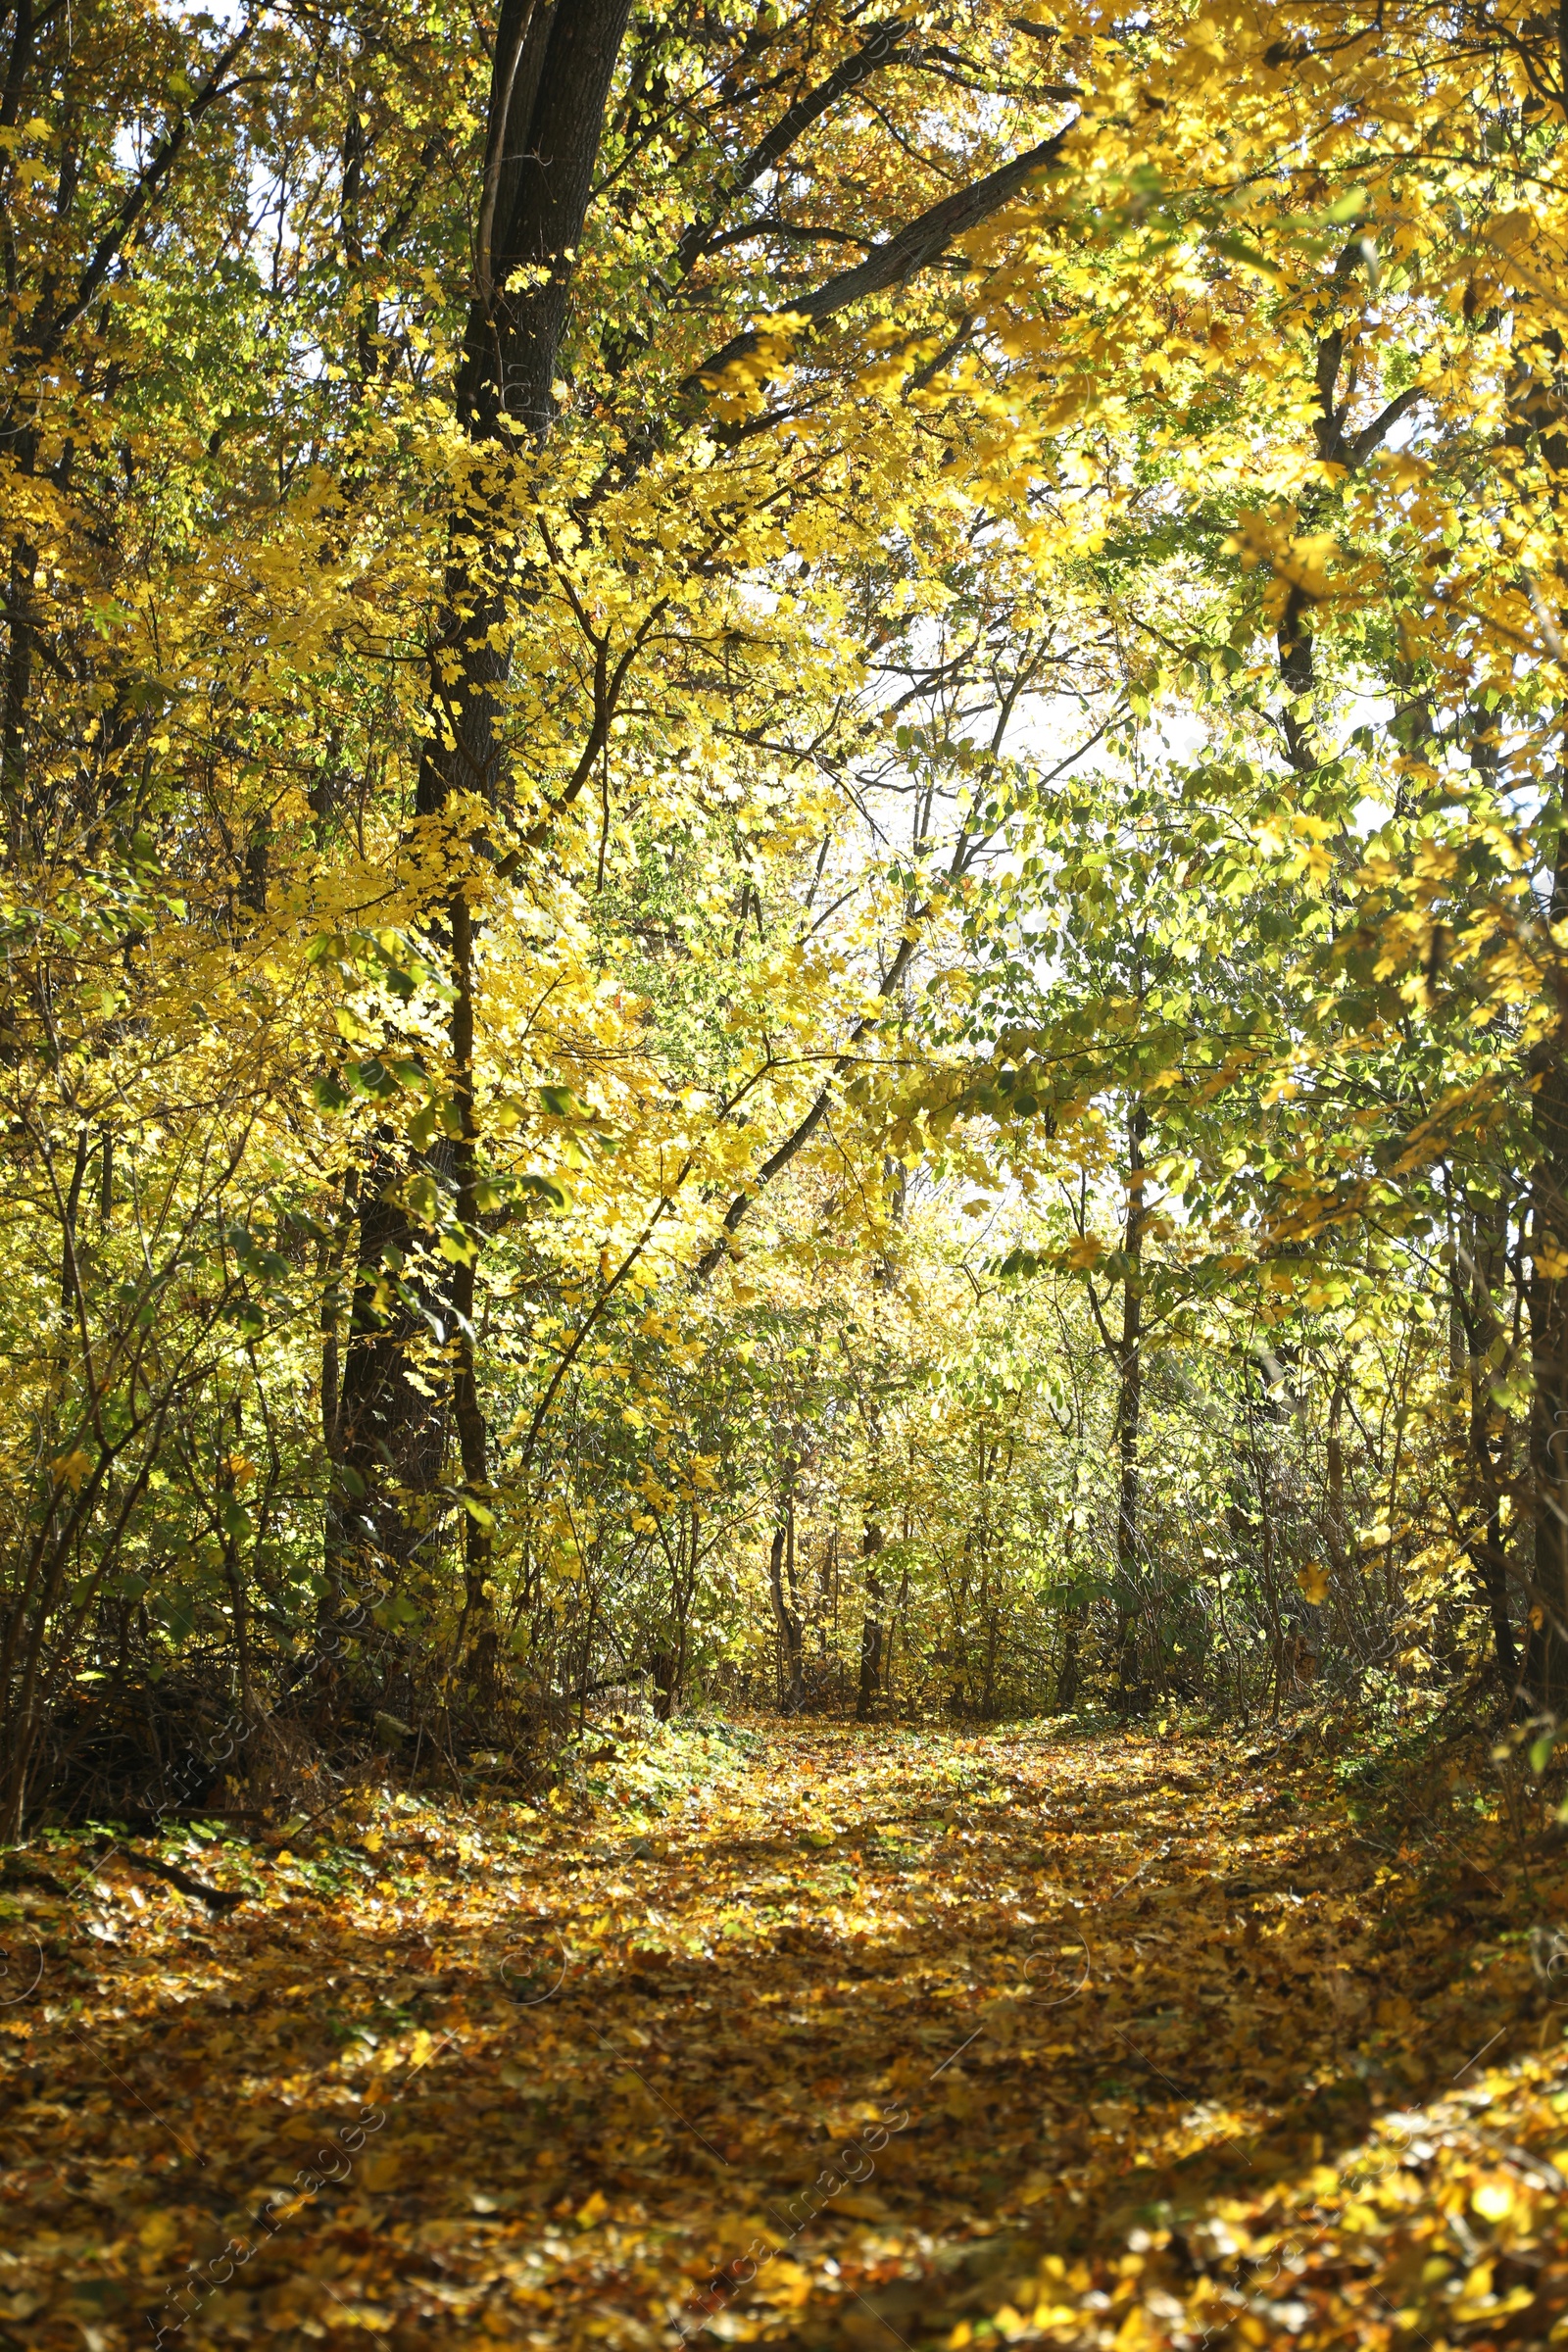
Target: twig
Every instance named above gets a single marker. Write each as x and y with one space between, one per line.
216 1898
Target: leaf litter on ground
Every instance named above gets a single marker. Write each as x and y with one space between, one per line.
798 2035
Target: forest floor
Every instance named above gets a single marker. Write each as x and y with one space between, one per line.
811 2034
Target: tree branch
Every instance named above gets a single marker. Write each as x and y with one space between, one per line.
966 850
1357 452
892 264
136 199
881 45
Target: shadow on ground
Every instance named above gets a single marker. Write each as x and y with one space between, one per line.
902 2037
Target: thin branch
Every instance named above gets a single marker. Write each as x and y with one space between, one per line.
138 196
921 242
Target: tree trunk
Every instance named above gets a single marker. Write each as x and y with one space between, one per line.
1471 1310
22 825
870 1686
390 1434
898 1624
550 81
1071 1669
792 1680
1545 1673
478 1609
1129 1400
1335 1526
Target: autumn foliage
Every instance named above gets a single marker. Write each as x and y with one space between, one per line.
784 935
806 2037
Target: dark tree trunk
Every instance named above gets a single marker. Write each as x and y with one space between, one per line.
1070 1673
1535 417
1130 1403
21 817
1545 1673
869 1692
1473 1329
466 1407
550 81
785 1615
390 1436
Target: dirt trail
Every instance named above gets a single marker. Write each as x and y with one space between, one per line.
811 2034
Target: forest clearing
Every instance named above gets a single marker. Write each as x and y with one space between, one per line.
808 2037
783 1172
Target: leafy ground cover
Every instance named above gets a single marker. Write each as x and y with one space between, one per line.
798 2035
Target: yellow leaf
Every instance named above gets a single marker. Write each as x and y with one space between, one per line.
1136 2331
380 2170
158 2232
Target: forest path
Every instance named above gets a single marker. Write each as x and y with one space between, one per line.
817 2035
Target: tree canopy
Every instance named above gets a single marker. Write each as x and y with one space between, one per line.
783 898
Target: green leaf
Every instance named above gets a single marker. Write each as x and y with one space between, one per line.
179 1613
422 1198
1234 249
545 1187
371 1078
